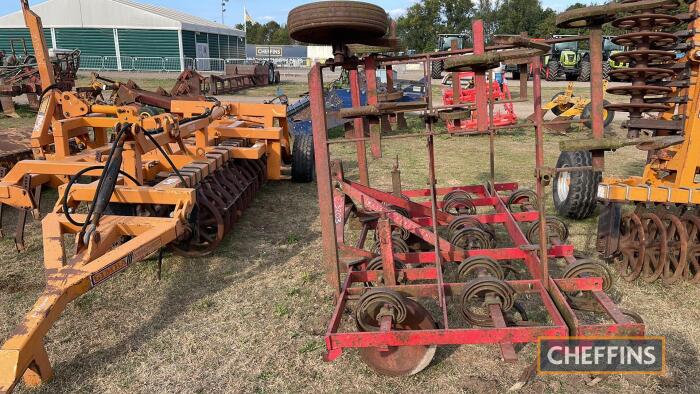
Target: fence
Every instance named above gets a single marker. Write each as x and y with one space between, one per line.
176 64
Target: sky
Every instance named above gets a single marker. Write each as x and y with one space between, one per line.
262 11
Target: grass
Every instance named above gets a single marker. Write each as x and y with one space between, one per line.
252 316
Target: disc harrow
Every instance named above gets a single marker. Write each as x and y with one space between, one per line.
448 265
656 239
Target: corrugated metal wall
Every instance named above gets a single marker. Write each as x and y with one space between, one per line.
148 43
17 34
220 46
91 42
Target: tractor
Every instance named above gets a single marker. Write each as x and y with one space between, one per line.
445 44
609 62
568 59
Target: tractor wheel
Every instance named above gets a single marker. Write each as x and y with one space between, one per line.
303 169
552 71
436 69
558 110
608 116
606 71
585 72
574 193
326 21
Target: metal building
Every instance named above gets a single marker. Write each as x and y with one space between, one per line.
126 35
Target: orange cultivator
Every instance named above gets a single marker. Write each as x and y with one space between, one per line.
178 177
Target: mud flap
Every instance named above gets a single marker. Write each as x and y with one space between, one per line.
608 238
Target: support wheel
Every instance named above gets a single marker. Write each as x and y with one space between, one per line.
574 193
207 230
608 116
520 198
327 22
408 315
303 170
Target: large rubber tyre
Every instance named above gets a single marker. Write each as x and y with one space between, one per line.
326 22
557 110
303 169
574 193
436 69
585 72
606 71
608 116
552 71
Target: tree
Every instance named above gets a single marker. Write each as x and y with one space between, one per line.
269 33
419 27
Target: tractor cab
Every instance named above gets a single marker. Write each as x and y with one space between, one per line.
445 41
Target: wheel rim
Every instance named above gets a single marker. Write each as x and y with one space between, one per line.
563 184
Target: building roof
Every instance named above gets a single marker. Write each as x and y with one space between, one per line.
124 14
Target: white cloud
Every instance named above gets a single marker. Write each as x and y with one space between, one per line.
267 18
397 12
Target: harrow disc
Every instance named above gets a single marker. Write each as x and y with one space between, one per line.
521 197
398 245
677 238
587 267
403 360
655 252
470 238
692 225
479 294
459 204
632 247
376 264
208 229
555 228
478 266
463 221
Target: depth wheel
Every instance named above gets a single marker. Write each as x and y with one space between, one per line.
555 228
396 360
476 266
591 268
521 197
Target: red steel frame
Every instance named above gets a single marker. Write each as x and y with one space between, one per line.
423 219
499 93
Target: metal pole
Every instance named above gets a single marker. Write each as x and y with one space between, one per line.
359 128
539 167
596 50
323 177
482 123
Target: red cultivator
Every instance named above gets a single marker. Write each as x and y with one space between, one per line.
459 265
503 115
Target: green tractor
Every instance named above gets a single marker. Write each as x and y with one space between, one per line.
609 49
569 60
445 44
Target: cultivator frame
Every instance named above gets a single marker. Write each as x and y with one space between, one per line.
395 333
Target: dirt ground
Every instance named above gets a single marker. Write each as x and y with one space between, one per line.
251 317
